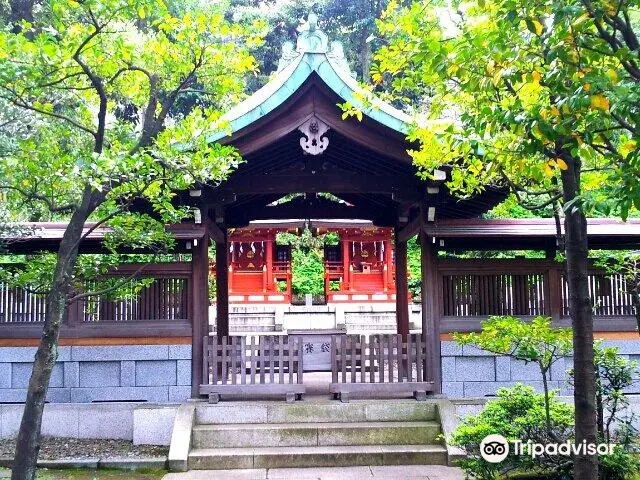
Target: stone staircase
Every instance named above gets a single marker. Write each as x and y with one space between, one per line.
364 321
314 434
245 319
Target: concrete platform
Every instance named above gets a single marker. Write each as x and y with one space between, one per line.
396 472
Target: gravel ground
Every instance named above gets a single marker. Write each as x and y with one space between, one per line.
60 448
44 474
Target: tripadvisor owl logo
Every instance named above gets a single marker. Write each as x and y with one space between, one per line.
494 448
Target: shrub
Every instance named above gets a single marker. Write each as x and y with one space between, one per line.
517 414
531 342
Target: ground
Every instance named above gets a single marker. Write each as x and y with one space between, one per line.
73 474
412 472
60 448
400 472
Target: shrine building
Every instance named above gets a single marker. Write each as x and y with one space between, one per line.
209 339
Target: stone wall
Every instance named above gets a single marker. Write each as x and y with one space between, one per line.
143 423
83 374
162 373
468 372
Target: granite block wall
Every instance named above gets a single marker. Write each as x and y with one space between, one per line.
84 374
162 373
468 372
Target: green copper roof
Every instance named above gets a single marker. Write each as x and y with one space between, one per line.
312 54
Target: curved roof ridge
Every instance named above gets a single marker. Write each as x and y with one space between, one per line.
312 54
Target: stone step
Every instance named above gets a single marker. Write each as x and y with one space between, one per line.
330 456
314 434
309 412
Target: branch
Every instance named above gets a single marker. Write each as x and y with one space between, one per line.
97 84
34 196
98 293
18 101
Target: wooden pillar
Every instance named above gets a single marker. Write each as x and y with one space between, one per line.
402 288
199 308
269 260
388 263
431 309
222 285
346 255
553 294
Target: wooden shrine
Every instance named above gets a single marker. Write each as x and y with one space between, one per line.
360 268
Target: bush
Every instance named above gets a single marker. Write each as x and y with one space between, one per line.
308 272
517 414
622 465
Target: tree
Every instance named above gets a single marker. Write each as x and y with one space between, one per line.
307 259
519 93
103 78
534 341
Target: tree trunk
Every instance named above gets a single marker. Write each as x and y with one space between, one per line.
28 442
547 401
576 250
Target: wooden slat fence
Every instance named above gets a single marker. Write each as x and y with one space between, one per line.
494 294
252 366
472 289
165 299
379 364
161 308
608 295
18 305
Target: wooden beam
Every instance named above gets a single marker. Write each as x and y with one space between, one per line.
411 229
402 287
282 212
431 308
215 232
222 286
199 308
400 187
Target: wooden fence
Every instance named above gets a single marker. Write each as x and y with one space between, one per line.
161 308
253 366
494 294
18 305
379 364
608 294
473 289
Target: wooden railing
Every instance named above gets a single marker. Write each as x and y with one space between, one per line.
472 289
252 366
159 309
494 294
608 294
18 305
379 364
166 299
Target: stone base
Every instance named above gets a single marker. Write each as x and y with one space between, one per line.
110 373
144 424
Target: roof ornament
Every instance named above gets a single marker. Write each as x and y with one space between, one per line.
314 129
337 55
288 54
311 39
